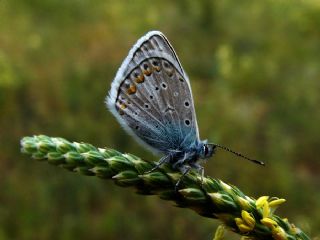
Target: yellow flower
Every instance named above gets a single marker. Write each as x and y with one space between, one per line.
248 219
268 207
270 223
279 234
246 223
219 235
277 202
244 228
262 201
266 210
239 221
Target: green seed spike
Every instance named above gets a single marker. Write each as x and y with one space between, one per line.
210 198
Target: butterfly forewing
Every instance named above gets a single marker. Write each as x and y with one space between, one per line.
151 96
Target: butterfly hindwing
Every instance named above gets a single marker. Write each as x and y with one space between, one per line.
151 96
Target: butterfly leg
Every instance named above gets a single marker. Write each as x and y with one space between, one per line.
162 161
184 170
199 168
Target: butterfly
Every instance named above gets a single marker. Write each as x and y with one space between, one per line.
151 98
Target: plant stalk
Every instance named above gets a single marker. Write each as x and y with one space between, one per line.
212 198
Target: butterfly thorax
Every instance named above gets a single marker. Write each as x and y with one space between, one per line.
190 155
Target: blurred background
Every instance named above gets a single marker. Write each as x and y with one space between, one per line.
254 67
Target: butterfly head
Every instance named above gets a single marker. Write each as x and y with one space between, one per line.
207 150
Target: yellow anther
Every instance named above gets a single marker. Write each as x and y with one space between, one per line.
266 210
262 201
248 219
276 202
219 235
279 234
239 221
270 223
244 228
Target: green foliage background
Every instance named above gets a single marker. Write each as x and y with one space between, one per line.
255 72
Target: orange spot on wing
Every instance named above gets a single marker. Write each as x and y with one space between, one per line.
157 68
132 89
147 72
140 79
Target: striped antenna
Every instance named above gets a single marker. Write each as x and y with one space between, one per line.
239 154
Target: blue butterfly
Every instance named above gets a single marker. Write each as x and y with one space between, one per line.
151 98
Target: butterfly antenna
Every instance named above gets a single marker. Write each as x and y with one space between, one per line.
239 154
